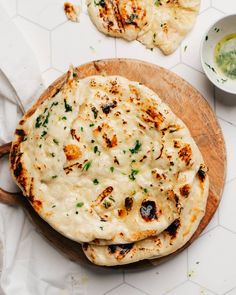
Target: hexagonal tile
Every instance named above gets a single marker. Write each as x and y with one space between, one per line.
210 258
38 39
47 13
50 76
191 53
232 292
162 278
225 105
81 43
135 49
190 288
228 205
10 6
229 6
230 141
198 80
102 280
204 5
125 289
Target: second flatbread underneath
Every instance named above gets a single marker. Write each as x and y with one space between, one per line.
161 23
172 239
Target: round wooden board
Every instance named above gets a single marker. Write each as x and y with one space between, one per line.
186 102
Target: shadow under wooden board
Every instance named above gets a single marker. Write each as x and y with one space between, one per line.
186 102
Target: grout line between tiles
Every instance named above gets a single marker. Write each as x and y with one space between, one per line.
114 288
144 292
175 287
201 286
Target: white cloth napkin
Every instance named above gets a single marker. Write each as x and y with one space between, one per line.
29 265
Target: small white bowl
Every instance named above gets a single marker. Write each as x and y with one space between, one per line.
223 27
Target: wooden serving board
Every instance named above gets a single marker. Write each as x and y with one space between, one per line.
186 102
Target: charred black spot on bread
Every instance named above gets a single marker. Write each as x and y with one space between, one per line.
73 135
120 250
106 108
85 246
128 203
185 154
148 210
173 228
20 132
185 190
161 151
18 169
56 92
202 173
116 160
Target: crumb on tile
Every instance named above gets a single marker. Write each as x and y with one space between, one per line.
72 11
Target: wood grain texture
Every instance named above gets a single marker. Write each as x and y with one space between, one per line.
186 102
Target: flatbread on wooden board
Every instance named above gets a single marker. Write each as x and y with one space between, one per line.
161 23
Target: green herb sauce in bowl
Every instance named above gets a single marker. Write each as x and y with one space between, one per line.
225 55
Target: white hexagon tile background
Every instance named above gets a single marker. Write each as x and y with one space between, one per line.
209 266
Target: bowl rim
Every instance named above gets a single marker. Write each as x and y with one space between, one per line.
220 86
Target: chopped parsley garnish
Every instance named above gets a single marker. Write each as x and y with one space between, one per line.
80 204
75 74
112 169
92 140
131 19
38 121
95 181
101 3
210 67
67 106
64 118
106 204
101 227
91 125
46 120
95 149
55 103
43 133
82 129
133 174
185 47
136 148
53 155
111 198
95 112
55 141
206 38
53 206
158 3
40 146
87 165
54 176
145 190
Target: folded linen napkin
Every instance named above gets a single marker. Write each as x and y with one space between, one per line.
29 265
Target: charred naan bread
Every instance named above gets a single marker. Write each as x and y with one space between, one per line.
192 204
161 23
127 18
97 160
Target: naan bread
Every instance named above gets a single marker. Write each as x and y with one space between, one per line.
172 239
101 160
127 18
172 20
161 23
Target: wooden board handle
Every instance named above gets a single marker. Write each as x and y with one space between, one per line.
7 197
